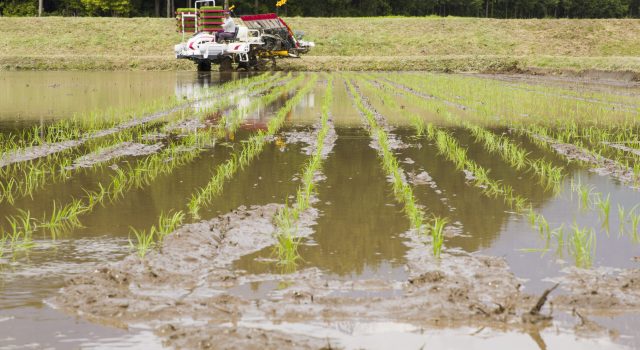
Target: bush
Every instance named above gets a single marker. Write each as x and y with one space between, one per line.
19 8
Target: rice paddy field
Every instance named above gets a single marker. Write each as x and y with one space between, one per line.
318 211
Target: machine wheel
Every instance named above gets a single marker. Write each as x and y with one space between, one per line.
243 65
204 66
226 64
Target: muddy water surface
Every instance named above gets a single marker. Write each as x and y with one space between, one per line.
358 256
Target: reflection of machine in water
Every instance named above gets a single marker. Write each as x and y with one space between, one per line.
192 86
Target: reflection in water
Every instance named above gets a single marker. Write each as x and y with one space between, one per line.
53 94
357 235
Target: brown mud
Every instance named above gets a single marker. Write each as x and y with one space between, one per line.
120 150
183 290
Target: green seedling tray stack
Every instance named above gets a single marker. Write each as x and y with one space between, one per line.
211 18
189 23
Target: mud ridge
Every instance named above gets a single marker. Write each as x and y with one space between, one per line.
603 166
622 148
33 152
395 143
427 96
120 150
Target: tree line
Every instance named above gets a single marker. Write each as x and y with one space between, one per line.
338 8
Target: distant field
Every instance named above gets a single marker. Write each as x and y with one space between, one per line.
389 43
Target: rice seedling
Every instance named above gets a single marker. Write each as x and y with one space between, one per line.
63 219
437 233
22 227
605 208
635 223
145 241
168 223
558 233
582 246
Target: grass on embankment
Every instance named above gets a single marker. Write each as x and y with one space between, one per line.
385 43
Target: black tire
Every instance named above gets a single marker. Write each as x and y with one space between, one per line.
204 66
226 64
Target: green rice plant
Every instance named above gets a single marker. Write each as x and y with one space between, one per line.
144 241
605 208
286 248
402 191
22 228
558 233
582 246
64 219
635 223
287 240
168 223
437 234
585 193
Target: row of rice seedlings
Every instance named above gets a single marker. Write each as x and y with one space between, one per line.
36 174
250 149
622 169
94 124
77 127
565 127
608 98
147 240
401 189
416 121
550 176
533 132
286 219
492 100
448 146
143 173
23 179
233 120
65 218
609 142
581 246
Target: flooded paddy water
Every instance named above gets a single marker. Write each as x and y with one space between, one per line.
315 210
